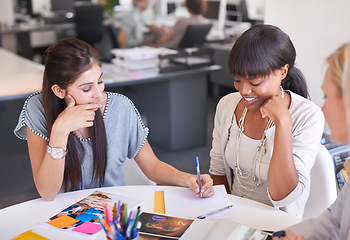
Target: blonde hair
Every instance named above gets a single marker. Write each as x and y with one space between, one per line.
339 65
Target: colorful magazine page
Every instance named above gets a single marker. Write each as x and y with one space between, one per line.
159 226
82 217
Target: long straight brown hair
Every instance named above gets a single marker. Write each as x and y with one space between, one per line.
64 62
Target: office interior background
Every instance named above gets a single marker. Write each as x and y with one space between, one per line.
316 27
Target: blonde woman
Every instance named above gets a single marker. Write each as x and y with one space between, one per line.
334 222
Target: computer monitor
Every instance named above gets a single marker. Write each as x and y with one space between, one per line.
213 10
27 5
62 5
217 14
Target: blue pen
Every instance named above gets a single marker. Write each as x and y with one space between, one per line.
134 233
120 236
214 212
128 231
136 230
128 222
199 175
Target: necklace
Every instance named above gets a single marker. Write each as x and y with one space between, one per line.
261 150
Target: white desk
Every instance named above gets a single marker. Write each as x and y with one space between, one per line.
19 76
25 216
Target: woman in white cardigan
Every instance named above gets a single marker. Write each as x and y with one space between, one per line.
266 135
334 222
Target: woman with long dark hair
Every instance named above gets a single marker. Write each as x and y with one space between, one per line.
79 136
266 135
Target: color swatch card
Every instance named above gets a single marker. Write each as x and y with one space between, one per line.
82 217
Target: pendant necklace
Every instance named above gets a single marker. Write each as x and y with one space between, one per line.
261 150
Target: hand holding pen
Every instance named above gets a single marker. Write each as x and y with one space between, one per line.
202 185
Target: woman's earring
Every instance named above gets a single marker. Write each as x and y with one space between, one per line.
282 94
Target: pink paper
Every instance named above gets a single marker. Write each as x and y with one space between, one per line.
88 228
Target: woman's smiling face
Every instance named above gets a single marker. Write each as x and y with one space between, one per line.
256 91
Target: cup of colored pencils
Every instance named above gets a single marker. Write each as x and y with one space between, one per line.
119 224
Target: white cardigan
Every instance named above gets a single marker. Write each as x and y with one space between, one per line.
307 129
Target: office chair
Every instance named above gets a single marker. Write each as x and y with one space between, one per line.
323 188
89 23
133 174
195 35
113 34
244 11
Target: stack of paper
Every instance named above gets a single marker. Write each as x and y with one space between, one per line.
137 62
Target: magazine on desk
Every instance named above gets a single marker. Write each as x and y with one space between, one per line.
160 226
82 216
165 227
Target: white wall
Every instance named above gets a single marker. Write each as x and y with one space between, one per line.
317 28
6 13
7 19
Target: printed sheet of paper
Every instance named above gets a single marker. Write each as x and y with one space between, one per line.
81 217
182 202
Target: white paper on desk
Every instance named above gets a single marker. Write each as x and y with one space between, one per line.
182 202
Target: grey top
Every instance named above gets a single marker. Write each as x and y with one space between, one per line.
135 25
333 223
125 130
